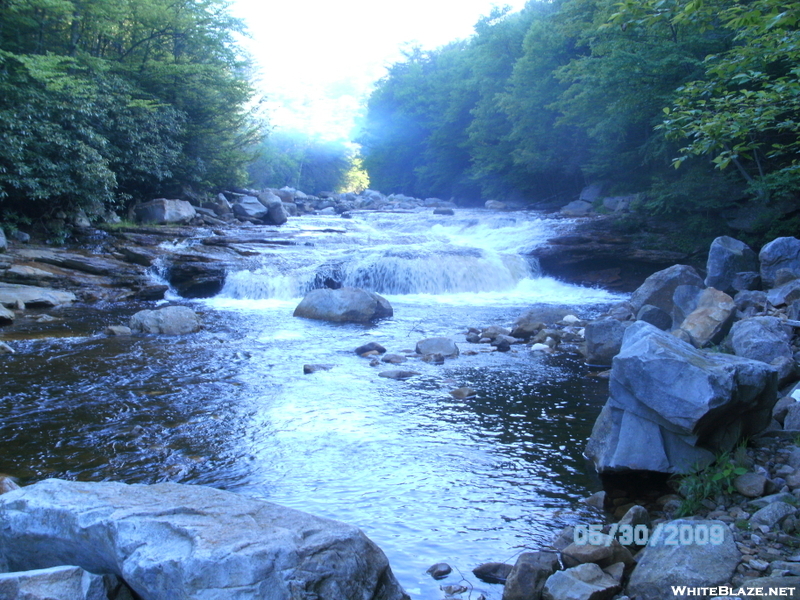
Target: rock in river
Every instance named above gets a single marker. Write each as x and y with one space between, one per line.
170 320
343 305
437 345
171 541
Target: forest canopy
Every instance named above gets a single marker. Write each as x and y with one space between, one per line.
104 101
694 106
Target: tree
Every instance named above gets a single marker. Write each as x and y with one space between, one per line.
107 101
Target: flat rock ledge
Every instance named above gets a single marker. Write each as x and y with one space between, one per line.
178 542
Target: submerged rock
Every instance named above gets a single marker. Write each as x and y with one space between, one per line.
437 345
171 541
439 570
398 374
343 305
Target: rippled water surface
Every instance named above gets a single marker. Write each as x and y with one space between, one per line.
428 477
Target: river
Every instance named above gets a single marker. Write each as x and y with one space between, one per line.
428 477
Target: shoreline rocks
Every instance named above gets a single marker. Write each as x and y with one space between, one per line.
171 541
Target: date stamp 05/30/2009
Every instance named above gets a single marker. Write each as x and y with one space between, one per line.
668 534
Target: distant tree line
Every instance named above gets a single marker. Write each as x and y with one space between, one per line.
695 103
307 163
106 101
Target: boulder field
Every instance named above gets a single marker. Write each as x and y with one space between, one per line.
694 368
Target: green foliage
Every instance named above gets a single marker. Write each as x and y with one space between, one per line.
707 483
538 103
105 101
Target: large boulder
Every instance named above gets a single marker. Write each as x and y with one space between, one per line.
603 340
29 296
727 257
761 338
170 320
664 564
248 207
276 212
711 320
671 406
3 241
343 305
171 541
163 210
780 253
659 287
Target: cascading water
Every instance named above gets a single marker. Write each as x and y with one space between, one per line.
427 476
408 254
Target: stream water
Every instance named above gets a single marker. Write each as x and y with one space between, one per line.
428 477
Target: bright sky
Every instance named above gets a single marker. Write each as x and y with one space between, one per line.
318 59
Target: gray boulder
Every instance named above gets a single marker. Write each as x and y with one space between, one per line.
248 207
577 208
655 316
662 565
659 287
746 280
785 294
170 542
603 340
751 303
772 514
163 210
780 253
437 345
494 205
57 583
584 582
727 257
711 320
29 296
170 320
3 241
343 305
761 338
526 580
672 406
276 212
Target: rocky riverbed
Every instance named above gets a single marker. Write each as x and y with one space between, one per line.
729 330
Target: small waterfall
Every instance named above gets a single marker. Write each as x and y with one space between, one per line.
442 271
408 254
